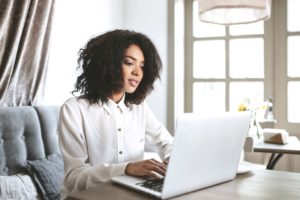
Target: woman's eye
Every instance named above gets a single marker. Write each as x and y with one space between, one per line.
128 63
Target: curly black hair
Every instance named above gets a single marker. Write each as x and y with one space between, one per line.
101 61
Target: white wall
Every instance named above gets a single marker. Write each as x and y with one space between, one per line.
72 28
150 18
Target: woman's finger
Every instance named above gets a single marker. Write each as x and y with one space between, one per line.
156 167
161 164
153 175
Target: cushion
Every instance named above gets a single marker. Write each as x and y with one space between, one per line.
17 187
20 138
48 116
48 175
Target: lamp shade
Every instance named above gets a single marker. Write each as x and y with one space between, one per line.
228 12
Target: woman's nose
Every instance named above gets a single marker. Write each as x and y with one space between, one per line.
137 71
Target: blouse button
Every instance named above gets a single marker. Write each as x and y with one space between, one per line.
120 152
119 129
120 109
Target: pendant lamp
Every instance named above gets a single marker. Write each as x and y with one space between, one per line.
230 12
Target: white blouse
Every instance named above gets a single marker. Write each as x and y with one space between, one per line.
97 141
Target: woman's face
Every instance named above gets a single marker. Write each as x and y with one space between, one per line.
132 68
132 71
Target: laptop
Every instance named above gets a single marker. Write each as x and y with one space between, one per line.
206 152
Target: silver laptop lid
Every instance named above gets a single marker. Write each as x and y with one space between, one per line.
206 151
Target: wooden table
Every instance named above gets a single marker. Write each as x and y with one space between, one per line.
277 150
256 184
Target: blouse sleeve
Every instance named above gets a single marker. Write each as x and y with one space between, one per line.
79 174
157 135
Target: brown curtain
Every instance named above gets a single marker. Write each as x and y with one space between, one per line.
24 47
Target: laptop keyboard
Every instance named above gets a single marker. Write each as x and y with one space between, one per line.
155 185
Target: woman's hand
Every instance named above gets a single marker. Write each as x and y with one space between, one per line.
150 168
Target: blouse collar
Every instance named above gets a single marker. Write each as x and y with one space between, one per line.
111 106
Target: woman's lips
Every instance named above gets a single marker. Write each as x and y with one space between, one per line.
133 82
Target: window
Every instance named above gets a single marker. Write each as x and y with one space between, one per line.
227 64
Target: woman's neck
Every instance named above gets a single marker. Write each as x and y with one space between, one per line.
116 97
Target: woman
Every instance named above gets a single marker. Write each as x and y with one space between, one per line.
103 132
